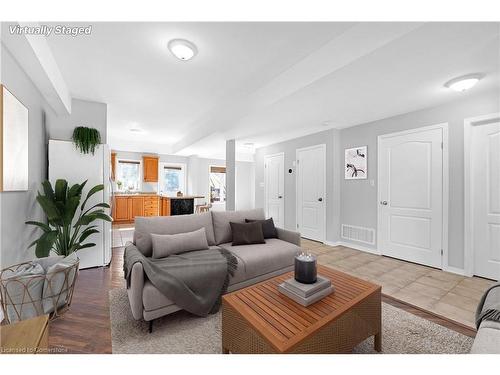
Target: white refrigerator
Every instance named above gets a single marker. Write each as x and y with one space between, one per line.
66 162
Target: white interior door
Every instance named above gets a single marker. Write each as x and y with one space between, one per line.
311 197
410 203
485 173
274 166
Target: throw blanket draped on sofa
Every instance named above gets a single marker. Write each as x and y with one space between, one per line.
194 280
488 308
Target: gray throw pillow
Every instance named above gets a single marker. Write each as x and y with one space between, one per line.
169 244
58 281
247 233
268 227
24 287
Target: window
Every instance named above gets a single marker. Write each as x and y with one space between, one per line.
217 178
129 175
173 179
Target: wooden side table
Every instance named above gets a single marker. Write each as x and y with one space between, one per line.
29 336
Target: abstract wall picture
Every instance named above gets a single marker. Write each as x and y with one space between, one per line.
14 143
355 165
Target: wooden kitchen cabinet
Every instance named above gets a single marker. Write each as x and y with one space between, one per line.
121 209
136 207
127 208
113 165
164 206
150 168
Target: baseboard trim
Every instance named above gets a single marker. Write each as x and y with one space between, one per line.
458 271
353 246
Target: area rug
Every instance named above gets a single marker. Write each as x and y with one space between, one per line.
183 333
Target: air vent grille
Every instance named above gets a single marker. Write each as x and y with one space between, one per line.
359 234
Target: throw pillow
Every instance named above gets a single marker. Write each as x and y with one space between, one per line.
247 233
58 281
268 228
169 244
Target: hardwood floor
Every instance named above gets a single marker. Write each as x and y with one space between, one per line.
86 327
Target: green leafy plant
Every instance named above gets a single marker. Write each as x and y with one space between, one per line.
86 139
60 205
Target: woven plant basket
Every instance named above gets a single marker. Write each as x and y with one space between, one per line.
24 305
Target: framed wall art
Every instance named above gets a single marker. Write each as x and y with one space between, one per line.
14 142
355 163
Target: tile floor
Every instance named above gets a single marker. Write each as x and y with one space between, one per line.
446 294
122 233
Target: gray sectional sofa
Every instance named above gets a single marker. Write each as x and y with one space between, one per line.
487 339
255 262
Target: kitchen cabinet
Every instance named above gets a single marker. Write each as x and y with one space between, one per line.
113 165
136 207
121 209
151 206
128 207
150 168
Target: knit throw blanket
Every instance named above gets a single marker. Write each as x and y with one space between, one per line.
489 306
194 281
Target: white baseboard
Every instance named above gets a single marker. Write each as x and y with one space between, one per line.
458 271
353 246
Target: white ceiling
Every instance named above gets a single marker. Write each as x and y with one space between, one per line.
267 82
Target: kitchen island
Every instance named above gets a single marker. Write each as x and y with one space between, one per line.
170 206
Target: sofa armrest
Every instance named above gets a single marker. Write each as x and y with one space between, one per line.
134 290
289 236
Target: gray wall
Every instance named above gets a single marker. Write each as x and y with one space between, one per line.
83 113
359 199
354 202
17 207
331 139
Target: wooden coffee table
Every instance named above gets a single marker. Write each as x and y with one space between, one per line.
259 319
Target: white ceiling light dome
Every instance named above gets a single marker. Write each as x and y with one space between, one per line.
463 83
182 49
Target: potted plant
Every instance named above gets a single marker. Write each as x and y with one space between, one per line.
60 205
29 289
86 139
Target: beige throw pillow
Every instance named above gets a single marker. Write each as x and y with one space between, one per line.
168 244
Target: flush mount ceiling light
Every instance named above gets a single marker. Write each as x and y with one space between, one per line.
136 130
182 49
463 83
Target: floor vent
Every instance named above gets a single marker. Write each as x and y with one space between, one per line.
359 234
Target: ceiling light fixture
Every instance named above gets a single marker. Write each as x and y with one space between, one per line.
463 83
136 130
182 49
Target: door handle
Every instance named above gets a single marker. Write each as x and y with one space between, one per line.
383 203
280 196
320 199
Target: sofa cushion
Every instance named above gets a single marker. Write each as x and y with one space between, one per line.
144 226
221 220
168 244
247 233
268 228
260 259
487 340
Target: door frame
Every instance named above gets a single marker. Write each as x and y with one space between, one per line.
445 189
469 123
322 146
282 154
